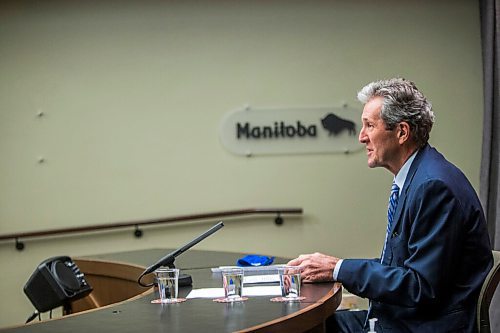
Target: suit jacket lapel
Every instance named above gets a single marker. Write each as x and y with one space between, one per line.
409 178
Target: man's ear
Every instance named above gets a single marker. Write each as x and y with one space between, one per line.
404 132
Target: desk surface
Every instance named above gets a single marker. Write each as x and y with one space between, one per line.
197 315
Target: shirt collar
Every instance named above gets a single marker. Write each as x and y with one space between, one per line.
403 172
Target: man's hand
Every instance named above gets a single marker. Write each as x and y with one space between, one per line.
316 267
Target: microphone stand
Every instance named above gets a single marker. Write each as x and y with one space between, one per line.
168 260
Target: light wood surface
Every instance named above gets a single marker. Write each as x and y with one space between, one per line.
112 282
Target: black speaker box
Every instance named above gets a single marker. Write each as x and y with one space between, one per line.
56 282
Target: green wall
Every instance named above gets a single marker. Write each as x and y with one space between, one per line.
132 94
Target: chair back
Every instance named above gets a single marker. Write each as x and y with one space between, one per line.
486 294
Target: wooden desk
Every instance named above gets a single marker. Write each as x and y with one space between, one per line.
113 277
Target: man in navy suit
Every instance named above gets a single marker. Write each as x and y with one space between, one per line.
437 251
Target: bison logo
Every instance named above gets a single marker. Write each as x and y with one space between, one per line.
334 125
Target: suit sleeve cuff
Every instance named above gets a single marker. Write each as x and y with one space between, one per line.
337 269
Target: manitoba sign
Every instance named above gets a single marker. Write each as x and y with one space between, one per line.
255 131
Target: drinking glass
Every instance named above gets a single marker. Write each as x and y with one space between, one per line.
232 282
290 284
167 280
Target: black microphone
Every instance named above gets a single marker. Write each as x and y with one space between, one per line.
169 259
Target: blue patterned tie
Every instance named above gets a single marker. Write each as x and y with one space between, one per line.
393 203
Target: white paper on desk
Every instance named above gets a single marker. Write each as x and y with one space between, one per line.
267 278
206 293
262 291
270 268
247 291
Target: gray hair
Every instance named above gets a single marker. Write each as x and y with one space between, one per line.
402 102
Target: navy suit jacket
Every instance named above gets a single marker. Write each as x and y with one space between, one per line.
437 257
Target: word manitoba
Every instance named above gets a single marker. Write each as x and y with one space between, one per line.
278 130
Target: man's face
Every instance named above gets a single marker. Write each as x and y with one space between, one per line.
382 146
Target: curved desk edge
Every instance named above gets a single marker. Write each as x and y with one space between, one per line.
306 319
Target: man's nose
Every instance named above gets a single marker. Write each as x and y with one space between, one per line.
362 136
